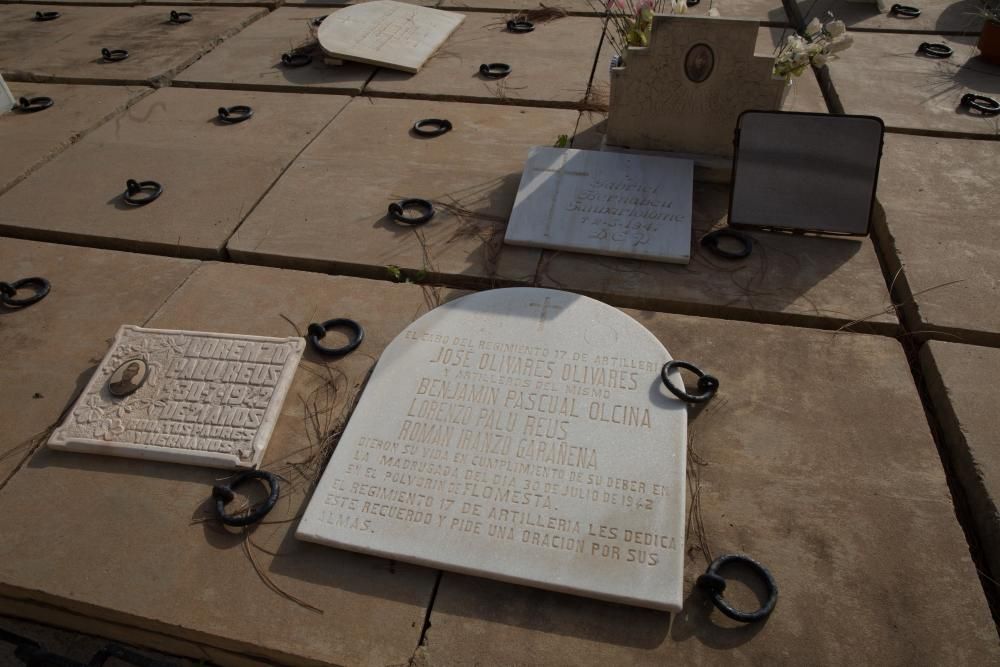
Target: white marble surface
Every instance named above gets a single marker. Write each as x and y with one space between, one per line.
203 398
605 203
389 34
520 434
6 97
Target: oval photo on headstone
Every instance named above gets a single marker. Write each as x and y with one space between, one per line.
128 377
699 62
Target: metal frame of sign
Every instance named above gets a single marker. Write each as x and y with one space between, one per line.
802 230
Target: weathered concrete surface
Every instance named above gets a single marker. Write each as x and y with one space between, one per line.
794 466
30 139
329 210
212 173
940 17
517 7
550 66
131 547
940 226
252 59
345 3
53 345
882 75
961 382
71 49
769 12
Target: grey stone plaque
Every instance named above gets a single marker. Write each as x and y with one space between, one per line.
519 434
184 396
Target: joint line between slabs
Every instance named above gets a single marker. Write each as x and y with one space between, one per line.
422 641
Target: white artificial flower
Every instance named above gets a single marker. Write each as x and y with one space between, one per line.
680 7
836 28
714 12
841 43
819 60
796 43
813 28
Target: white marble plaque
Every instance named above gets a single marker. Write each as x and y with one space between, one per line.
184 396
605 203
519 434
7 100
387 33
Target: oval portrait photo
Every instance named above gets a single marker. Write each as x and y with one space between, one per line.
128 377
699 62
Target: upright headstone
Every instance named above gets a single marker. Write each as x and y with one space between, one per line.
685 91
386 33
519 434
184 396
604 203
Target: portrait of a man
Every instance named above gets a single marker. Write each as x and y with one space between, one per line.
699 63
127 378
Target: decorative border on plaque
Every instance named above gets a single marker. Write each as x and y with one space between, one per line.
203 398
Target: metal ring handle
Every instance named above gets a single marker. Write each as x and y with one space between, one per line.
223 494
520 26
9 290
707 384
318 20
905 10
47 16
295 59
692 3
985 105
236 114
33 104
494 70
712 582
397 210
114 55
133 188
181 17
318 331
432 127
711 241
935 50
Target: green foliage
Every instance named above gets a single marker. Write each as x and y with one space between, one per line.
562 141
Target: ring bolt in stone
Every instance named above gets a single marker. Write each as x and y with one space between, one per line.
235 114
712 239
181 17
935 50
295 59
33 104
140 193
905 11
114 55
47 16
8 292
432 127
707 384
494 70
224 494
397 211
318 20
317 332
520 26
714 584
985 105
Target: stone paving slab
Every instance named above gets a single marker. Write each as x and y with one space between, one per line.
961 382
328 212
252 59
70 50
794 466
54 345
122 540
882 75
550 66
212 173
942 17
939 198
345 3
31 139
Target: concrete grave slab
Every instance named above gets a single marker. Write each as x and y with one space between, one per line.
24 39
768 12
940 17
961 381
348 3
252 59
157 48
198 583
54 344
329 211
453 72
212 173
844 512
882 75
31 139
936 195
525 7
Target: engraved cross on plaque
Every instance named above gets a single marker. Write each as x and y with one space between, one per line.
545 306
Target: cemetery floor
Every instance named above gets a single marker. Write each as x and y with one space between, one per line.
852 447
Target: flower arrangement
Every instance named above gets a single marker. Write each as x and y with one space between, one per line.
817 44
630 22
990 10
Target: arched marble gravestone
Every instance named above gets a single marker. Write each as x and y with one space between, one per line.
520 434
389 34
